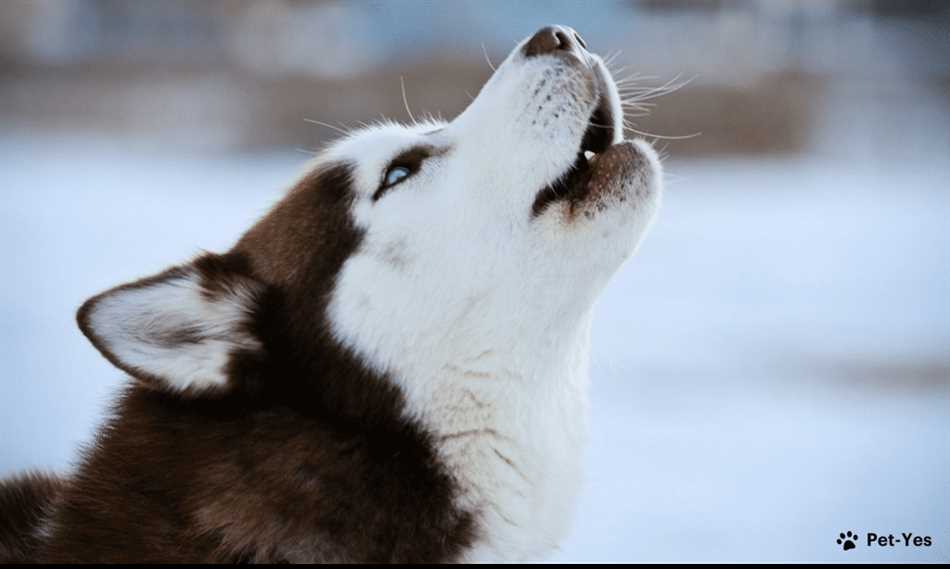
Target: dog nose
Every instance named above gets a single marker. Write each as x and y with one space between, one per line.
551 39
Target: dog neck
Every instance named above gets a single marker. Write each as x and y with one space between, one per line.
509 419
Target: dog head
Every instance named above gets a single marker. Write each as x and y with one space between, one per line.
433 241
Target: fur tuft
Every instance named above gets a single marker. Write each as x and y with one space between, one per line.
26 504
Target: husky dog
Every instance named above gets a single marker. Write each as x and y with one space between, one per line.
391 365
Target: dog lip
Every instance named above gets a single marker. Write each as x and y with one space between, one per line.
571 185
574 184
600 130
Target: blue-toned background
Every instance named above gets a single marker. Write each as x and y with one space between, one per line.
774 366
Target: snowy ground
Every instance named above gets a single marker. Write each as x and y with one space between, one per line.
773 368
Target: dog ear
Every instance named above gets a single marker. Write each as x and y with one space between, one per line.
181 329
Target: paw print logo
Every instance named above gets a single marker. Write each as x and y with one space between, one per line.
846 541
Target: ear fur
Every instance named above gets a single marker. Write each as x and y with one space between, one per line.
180 329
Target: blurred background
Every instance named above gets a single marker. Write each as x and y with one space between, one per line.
772 369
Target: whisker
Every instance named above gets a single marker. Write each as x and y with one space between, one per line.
632 102
667 84
487 59
634 77
592 124
342 130
637 106
646 94
645 133
405 100
649 96
611 57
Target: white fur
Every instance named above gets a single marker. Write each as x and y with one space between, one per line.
135 324
482 313
479 310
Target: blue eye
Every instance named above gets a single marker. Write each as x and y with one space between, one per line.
395 175
403 166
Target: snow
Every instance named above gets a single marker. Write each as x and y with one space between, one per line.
770 370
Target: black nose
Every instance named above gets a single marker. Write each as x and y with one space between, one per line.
551 39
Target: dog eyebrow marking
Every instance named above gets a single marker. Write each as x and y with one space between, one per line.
411 159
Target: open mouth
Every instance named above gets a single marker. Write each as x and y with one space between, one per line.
573 185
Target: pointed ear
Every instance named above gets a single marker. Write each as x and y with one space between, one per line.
178 330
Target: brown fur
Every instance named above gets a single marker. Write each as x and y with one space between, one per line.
26 503
304 456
